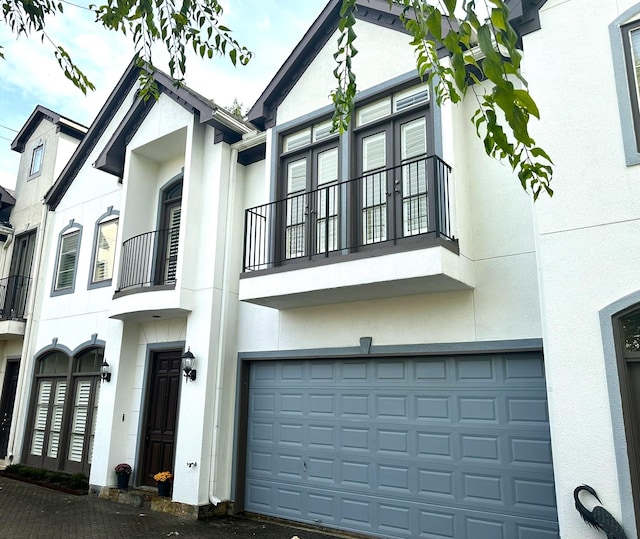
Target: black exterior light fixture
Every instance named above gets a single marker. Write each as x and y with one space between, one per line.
188 362
105 371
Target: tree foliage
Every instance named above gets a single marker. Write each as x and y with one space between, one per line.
175 25
457 53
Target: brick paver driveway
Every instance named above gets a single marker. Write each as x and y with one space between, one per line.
33 512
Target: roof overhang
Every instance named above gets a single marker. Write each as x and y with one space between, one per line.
39 114
111 159
524 17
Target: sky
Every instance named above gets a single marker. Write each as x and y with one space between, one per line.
30 75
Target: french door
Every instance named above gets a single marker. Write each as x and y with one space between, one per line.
393 188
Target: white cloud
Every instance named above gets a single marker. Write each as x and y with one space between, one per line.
30 74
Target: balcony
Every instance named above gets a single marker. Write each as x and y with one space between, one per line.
149 263
149 260
384 234
14 291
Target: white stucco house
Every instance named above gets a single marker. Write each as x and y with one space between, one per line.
390 337
45 142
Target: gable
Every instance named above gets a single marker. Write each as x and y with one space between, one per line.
524 17
111 157
383 54
39 115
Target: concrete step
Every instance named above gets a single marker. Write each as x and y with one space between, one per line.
147 498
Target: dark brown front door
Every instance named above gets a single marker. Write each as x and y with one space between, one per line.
6 405
161 413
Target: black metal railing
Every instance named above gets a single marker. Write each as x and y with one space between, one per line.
13 297
149 259
390 205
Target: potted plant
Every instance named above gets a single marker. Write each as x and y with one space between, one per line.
164 483
123 473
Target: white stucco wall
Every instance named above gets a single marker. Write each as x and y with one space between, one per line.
587 246
493 224
377 46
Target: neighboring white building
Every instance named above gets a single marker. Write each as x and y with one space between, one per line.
46 141
390 337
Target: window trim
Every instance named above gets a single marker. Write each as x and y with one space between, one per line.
38 148
388 92
109 216
71 228
61 461
630 128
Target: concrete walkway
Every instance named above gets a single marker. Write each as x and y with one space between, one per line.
33 512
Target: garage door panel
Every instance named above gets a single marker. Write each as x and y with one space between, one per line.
404 447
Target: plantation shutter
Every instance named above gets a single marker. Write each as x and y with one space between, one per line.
172 243
40 421
297 176
327 201
79 421
413 143
374 188
67 260
55 429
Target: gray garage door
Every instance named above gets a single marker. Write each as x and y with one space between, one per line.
438 447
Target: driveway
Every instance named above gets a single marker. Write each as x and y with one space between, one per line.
33 512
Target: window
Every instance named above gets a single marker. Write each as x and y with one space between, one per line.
64 409
381 183
36 160
392 148
104 249
631 40
310 161
627 340
66 263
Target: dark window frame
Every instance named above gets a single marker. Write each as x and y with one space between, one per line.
38 150
71 229
71 377
310 151
628 363
633 77
109 217
348 223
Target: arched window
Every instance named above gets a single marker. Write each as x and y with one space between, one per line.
64 409
64 279
104 249
50 395
170 213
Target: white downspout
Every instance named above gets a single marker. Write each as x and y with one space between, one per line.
223 323
26 342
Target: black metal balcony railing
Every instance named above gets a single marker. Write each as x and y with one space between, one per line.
387 205
13 297
149 259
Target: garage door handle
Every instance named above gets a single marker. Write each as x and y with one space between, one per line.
304 466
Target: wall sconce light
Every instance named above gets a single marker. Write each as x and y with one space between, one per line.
188 362
105 371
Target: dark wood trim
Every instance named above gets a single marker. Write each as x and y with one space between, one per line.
630 404
240 454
